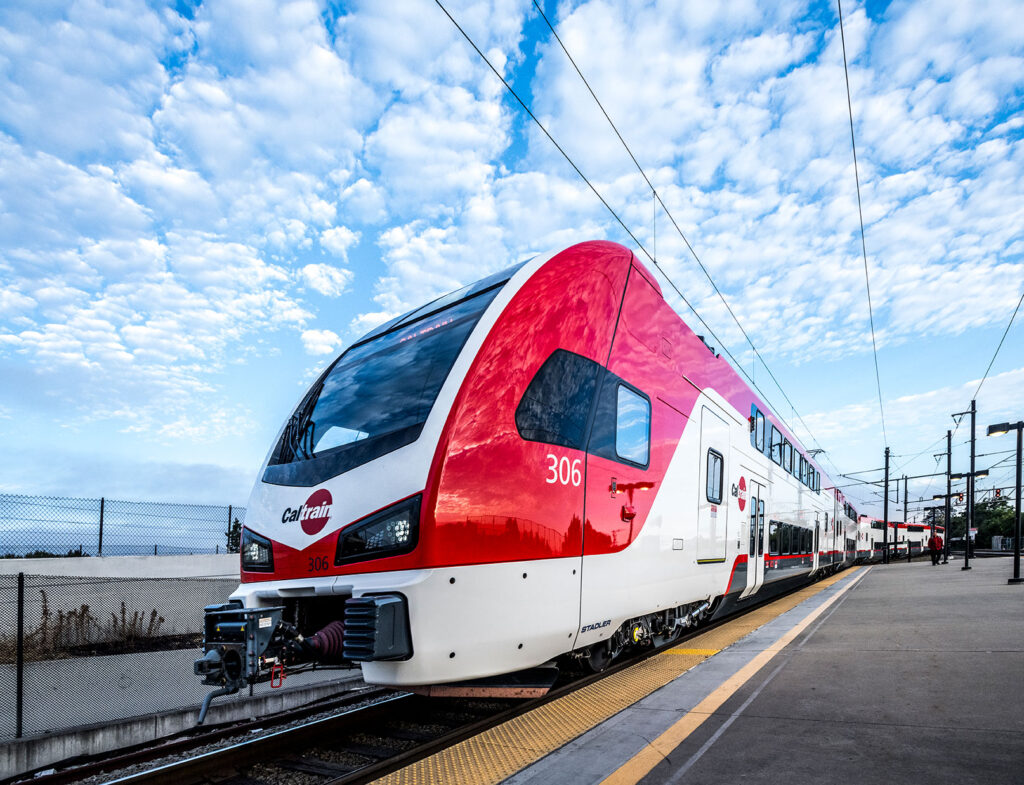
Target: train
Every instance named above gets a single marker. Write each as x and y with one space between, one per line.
903 538
545 466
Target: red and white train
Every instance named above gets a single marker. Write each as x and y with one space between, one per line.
901 538
545 464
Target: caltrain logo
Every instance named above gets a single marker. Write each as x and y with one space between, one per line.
314 514
742 498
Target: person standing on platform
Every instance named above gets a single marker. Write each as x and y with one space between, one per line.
935 546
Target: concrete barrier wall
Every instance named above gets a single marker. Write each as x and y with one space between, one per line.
197 566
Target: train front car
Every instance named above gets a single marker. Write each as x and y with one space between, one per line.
402 521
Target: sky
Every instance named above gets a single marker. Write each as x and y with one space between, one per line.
203 203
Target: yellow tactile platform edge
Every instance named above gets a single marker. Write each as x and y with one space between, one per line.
500 752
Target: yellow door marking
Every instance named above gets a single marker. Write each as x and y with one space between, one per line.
638 767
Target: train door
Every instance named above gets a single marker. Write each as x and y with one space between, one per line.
817 534
755 538
712 514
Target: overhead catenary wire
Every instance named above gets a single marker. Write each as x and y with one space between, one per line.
1000 346
860 213
639 244
675 224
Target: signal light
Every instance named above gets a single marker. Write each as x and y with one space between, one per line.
959 498
999 492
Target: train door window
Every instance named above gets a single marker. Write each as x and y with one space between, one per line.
632 426
803 470
556 405
759 430
773 538
760 527
787 456
714 489
776 446
753 526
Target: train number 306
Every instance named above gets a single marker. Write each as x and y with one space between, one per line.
318 564
564 471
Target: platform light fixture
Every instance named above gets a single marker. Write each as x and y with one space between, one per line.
998 430
965 475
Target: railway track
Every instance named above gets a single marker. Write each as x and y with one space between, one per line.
356 739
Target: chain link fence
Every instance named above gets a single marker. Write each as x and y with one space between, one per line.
95 650
59 526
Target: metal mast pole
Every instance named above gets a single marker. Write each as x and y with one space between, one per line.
905 523
885 513
1016 531
949 501
970 500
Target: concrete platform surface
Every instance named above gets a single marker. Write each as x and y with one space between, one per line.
915 674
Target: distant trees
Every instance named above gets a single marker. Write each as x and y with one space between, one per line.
234 535
46 554
991 517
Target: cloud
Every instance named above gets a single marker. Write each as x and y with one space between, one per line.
337 240
329 281
320 341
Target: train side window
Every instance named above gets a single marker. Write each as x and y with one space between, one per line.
622 423
776 446
773 538
803 470
632 426
787 457
807 540
714 489
556 405
759 430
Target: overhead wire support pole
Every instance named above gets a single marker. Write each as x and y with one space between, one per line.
1016 579
949 494
970 497
905 515
885 513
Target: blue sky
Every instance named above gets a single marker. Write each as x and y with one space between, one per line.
201 204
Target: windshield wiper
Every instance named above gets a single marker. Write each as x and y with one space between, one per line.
298 434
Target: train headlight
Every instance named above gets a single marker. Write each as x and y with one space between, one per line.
388 533
257 553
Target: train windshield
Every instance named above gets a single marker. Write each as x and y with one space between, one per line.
377 395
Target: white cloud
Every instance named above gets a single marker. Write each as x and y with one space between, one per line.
320 341
337 240
329 281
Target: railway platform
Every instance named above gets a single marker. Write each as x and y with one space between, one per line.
903 673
